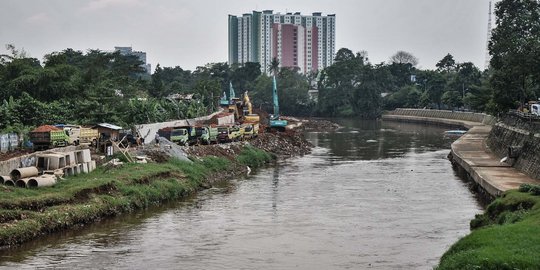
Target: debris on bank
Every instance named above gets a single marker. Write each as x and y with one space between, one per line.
321 125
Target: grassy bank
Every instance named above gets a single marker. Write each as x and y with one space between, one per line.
506 236
28 213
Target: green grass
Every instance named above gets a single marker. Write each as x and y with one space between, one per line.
506 236
27 213
254 157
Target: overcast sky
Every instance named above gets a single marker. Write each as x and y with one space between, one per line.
192 33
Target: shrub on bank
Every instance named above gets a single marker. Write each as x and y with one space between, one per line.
253 157
506 236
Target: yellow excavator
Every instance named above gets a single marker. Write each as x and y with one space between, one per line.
242 109
249 116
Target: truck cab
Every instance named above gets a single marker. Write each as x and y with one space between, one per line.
208 134
180 136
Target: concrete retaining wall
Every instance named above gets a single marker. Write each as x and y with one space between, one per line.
453 115
518 132
148 131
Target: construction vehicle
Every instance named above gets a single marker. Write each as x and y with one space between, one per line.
247 112
251 130
224 134
44 137
178 135
208 134
274 121
229 134
80 135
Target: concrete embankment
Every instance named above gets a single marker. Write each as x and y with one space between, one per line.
470 152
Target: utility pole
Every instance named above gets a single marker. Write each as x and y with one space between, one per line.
489 28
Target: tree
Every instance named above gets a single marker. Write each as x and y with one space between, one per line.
350 87
514 48
274 66
446 64
403 57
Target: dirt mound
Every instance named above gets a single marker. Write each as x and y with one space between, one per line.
45 128
313 124
289 143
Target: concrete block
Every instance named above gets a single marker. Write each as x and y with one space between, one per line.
87 157
92 165
70 159
84 167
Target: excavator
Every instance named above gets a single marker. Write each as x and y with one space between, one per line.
242 109
274 121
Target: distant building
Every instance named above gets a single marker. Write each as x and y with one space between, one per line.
306 42
141 55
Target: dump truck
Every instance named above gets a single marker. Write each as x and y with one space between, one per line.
251 130
46 136
185 135
229 134
208 134
80 135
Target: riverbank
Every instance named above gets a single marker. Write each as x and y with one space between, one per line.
506 236
25 214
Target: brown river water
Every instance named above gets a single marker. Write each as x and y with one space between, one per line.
373 195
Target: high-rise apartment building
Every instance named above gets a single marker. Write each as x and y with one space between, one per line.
141 55
295 40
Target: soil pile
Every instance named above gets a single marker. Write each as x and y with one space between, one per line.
289 143
322 125
45 128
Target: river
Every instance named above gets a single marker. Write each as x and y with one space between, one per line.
373 195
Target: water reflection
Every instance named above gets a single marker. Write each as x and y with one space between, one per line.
367 140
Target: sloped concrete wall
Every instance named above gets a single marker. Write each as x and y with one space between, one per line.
521 132
464 116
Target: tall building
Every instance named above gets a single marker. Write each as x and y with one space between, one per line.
295 40
139 54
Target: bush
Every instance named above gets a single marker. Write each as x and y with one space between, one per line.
525 188
535 190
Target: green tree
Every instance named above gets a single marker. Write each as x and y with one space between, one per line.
514 49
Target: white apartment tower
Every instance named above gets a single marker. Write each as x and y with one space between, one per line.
295 40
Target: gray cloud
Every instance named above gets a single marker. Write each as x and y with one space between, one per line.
192 33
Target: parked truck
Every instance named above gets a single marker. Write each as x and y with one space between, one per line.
80 135
251 130
229 134
208 134
184 135
46 136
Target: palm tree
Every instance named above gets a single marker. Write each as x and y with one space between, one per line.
274 66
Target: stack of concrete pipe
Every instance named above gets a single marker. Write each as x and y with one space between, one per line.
6 180
28 178
53 165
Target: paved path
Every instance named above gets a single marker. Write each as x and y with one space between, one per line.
471 153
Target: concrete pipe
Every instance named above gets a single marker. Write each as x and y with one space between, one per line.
42 181
22 183
24 173
3 179
9 183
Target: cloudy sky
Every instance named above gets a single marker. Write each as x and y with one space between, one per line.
193 33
